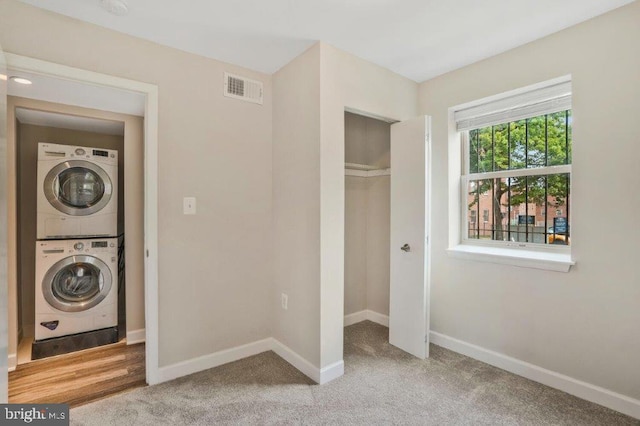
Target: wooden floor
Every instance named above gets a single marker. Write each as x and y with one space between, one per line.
80 377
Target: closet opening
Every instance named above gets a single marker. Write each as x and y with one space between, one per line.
367 221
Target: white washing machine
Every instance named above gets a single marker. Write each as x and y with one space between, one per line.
76 286
77 192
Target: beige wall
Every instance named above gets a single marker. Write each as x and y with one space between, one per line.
296 203
583 324
366 244
366 141
215 268
378 219
130 176
356 200
27 149
351 83
310 97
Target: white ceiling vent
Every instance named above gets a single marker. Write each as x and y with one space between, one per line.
242 88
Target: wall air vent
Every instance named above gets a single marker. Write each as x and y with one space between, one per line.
242 88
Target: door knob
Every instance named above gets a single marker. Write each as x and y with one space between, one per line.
406 248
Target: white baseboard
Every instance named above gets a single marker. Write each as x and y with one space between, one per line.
364 315
12 362
293 358
184 368
378 318
135 336
593 393
215 359
320 376
355 318
331 372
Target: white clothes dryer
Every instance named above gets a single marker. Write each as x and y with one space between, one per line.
76 286
77 192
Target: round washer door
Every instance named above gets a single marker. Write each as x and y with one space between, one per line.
76 283
77 187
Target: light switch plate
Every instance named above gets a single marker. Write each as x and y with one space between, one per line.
189 205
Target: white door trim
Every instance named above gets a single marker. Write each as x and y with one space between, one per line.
4 241
23 63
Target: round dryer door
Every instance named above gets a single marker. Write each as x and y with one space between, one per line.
76 283
77 187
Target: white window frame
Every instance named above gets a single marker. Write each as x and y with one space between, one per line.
483 113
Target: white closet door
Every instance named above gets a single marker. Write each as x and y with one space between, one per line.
409 291
4 338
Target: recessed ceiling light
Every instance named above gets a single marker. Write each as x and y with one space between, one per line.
117 7
3 77
19 80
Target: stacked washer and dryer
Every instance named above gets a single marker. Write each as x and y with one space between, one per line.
76 248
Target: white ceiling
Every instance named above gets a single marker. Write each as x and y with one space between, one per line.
64 121
419 39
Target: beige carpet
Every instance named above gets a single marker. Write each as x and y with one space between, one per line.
381 385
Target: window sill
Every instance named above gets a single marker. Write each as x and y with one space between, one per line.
560 262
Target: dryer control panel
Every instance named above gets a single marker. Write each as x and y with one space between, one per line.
52 151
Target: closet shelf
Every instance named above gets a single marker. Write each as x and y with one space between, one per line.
356 166
363 170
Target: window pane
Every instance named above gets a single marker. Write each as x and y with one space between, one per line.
530 209
558 199
487 201
473 203
518 218
517 145
536 156
485 150
501 147
535 206
557 146
535 142
473 151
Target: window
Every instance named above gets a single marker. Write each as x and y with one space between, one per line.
515 169
524 169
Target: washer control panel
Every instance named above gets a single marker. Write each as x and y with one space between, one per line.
71 247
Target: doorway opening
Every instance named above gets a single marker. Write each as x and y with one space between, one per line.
75 105
367 219
97 300
387 252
